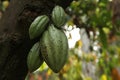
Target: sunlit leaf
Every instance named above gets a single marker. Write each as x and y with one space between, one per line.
103 77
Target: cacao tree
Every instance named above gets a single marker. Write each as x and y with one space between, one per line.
26 23
14 36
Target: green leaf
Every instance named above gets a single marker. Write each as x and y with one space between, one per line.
103 38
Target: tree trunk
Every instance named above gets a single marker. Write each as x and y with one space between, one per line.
14 39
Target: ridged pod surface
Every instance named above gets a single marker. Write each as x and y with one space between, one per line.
59 16
38 26
34 59
54 48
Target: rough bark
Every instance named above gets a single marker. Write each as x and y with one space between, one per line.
14 39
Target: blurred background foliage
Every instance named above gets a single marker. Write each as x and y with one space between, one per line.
94 36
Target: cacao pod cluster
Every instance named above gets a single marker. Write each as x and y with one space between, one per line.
53 44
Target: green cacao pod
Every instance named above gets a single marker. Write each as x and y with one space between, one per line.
59 16
54 48
38 26
34 59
